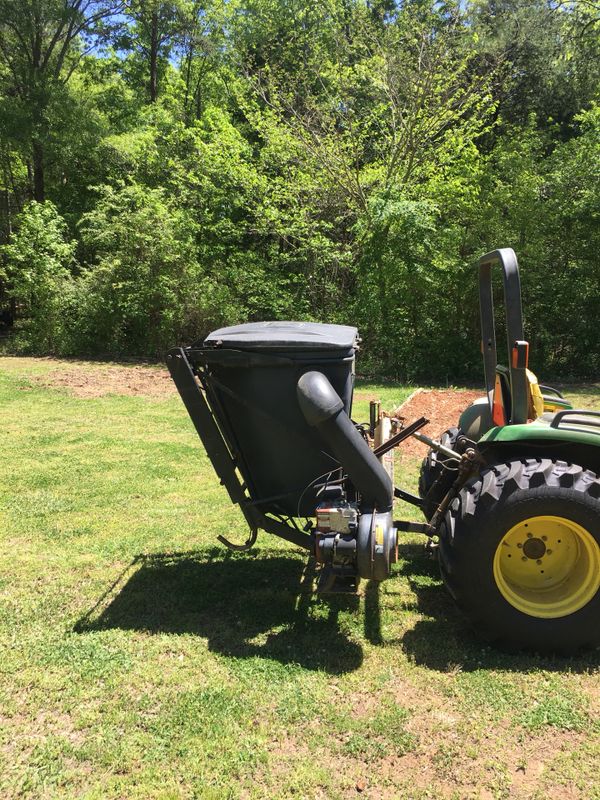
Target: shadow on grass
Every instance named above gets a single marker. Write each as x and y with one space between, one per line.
244 606
444 640
256 606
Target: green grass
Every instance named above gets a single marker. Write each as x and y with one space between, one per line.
138 659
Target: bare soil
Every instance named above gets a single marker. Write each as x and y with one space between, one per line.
89 380
442 407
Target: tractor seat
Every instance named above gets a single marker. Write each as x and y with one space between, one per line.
536 401
477 419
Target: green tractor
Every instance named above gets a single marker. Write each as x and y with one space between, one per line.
511 497
519 539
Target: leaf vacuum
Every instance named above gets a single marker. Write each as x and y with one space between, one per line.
510 496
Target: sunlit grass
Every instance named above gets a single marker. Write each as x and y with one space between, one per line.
139 659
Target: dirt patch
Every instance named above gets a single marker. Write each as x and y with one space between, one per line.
88 379
462 761
91 381
442 407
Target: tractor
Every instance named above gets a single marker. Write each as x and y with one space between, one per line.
510 496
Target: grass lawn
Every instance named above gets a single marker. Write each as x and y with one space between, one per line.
140 659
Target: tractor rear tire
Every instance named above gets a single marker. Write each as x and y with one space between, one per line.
434 479
520 553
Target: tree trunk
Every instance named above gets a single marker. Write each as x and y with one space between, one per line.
154 56
39 192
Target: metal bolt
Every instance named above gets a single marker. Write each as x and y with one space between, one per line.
520 544
530 535
548 552
523 558
539 561
544 538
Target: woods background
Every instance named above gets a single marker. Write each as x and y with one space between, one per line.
169 167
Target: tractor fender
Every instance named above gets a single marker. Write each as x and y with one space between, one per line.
540 440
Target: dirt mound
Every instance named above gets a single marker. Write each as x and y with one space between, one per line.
442 407
87 380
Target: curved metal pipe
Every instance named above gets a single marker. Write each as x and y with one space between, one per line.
324 410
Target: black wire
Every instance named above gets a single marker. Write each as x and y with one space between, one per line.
325 475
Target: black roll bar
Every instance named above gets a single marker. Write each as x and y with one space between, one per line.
517 347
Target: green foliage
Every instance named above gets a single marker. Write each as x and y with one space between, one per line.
546 207
145 288
346 161
573 240
37 266
395 276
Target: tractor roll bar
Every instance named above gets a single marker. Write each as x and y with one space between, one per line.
517 347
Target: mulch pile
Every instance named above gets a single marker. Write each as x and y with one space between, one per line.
442 407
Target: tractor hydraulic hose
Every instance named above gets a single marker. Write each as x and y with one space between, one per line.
324 410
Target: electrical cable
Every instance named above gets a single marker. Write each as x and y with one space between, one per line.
325 475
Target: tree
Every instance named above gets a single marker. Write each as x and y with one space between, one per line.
38 262
144 285
550 57
349 160
154 30
202 47
41 44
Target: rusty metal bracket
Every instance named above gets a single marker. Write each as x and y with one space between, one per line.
401 436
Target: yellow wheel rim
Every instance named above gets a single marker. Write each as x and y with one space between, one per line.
547 567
